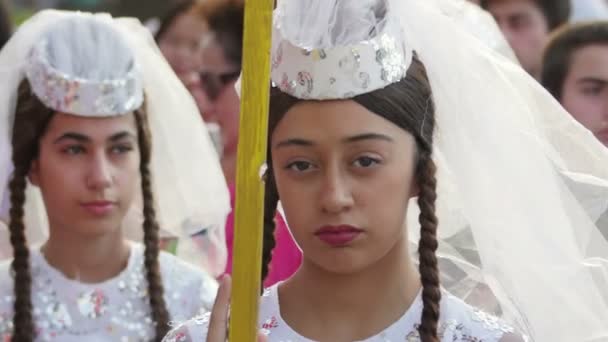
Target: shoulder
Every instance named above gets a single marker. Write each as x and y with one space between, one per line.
6 281
177 272
5 269
195 329
460 321
6 298
188 282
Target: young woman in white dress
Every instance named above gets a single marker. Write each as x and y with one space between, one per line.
84 98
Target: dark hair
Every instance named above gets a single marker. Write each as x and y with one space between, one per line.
225 19
31 120
6 27
409 105
179 8
562 45
556 12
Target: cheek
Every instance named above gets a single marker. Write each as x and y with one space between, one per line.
537 33
229 101
297 199
128 173
168 52
54 171
386 197
585 110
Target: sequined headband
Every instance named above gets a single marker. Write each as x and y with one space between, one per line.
340 72
74 95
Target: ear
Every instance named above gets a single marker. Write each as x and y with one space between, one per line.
34 174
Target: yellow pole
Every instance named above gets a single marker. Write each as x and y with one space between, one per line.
251 156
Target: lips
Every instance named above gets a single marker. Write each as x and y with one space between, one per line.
338 236
99 208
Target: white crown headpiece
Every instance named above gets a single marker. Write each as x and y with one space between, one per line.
107 86
338 65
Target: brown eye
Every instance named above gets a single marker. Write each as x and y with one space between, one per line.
73 150
121 149
366 162
299 166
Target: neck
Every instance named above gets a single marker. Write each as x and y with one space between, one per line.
229 166
370 299
88 259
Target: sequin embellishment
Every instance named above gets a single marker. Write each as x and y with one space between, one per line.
93 304
117 310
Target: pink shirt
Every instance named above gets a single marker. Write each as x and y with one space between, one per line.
286 256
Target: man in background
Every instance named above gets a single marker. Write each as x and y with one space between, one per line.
575 72
527 24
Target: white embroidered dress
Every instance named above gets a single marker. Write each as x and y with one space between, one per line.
115 310
458 322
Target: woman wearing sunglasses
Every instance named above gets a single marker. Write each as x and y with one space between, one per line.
221 50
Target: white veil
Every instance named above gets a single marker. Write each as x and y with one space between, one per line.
521 184
515 174
189 188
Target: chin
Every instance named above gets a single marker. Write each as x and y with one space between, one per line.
343 262
98 228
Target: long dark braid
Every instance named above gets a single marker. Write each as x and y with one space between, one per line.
160 314
427 246
31 120
22 320
271 200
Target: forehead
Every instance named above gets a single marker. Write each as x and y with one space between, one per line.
188 24
513 7
331 120
591 59
93 127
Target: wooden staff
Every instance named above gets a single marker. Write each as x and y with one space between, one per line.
251 156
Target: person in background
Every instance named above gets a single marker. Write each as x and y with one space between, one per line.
179 38
220 60
575 72
527 24
178 34
221 55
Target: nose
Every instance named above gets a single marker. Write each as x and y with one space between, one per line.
99 176
336 194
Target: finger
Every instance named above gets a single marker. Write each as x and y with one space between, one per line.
262 337
219 315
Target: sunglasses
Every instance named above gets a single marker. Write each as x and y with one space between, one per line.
214 82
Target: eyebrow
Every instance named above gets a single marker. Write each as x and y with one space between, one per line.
72 136
121 136
592 80
368 136
85 139
353 139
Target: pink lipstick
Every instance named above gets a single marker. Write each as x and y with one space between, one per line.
337 236
99 208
